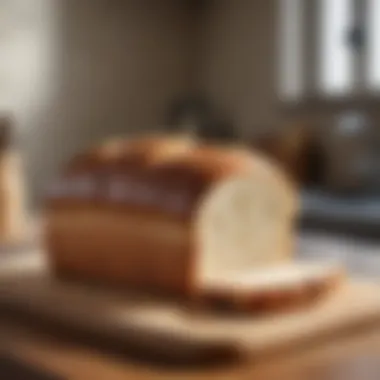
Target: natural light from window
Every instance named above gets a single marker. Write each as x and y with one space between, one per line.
328 48
335 58
373 69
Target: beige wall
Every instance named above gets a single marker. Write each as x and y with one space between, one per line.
93 68
236 60
109 67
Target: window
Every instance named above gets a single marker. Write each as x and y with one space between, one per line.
328 48
373 62
335 56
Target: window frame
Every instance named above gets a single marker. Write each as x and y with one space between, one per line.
361 95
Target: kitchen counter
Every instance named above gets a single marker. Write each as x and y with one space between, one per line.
352 357
357 215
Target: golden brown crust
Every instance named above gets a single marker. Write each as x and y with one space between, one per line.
129 153
120 249
162 175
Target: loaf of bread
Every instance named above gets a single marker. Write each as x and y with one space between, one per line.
168 214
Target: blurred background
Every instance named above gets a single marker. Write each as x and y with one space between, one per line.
297 79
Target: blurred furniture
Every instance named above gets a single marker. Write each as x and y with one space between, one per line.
350 149
12 201
295 148
348 198
337 169
194 115
353 215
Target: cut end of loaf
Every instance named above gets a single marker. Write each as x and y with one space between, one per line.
244 222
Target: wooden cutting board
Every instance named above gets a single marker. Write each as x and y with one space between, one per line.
171 331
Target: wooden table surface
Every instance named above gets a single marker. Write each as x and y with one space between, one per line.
351 357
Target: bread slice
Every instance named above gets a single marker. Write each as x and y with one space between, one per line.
274 288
